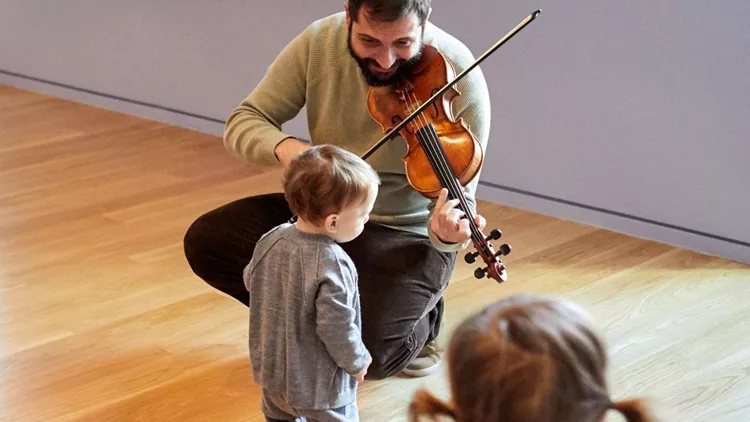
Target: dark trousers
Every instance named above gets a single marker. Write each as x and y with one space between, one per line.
401 275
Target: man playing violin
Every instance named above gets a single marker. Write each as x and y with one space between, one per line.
406 254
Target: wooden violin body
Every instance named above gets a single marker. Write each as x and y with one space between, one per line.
388 104
442 152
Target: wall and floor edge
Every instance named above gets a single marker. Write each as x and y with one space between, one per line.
683 237
155 112
636 226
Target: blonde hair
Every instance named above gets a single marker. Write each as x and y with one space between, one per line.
326 179
525 358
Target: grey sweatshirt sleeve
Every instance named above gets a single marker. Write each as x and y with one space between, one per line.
337 322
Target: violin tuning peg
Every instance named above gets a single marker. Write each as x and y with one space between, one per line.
494 235
503 250
470 257
480 272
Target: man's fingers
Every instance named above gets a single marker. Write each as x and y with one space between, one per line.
455 216
449 205
441 199
453 203
464 229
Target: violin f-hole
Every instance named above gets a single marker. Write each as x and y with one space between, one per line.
434 103
395 120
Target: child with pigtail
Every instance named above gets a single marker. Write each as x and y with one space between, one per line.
527 358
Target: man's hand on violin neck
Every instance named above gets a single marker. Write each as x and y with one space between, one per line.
287 149
450 223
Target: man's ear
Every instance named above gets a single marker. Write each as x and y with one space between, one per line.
348 17
331 223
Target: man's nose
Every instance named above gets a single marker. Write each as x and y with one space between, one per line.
386 59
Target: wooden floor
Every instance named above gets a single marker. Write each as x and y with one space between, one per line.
102 320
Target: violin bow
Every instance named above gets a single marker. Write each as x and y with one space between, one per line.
390 135
427 103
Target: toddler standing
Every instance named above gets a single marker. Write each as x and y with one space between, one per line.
306 346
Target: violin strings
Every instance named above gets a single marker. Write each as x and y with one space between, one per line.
457 189
442 167
449 179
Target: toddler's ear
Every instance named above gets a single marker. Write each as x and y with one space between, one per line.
332 223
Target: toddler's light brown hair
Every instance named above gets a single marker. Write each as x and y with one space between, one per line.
326 179
527 358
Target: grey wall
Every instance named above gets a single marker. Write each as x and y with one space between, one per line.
633 116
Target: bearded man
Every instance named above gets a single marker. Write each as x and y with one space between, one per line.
406 255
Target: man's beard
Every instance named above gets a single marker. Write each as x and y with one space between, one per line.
403 67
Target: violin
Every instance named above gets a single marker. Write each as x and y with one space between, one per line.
441 151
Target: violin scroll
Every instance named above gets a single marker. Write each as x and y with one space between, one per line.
495 268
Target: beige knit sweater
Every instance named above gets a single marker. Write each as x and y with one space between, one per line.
315 70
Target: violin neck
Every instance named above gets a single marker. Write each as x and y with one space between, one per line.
433 149
435 153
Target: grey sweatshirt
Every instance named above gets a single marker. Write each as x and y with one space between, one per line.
305 323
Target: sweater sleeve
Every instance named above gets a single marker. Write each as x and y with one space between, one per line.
473 106
253 129
336 322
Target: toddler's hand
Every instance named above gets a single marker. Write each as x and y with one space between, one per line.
361 376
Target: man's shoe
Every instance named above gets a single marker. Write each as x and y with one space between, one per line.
427 361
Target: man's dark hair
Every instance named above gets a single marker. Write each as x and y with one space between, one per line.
390 10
